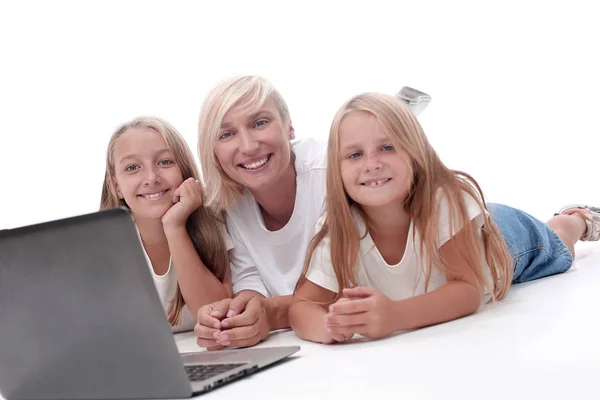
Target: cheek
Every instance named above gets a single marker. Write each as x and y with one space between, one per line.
348 175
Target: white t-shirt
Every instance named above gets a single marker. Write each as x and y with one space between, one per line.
271 262
166 286
403 280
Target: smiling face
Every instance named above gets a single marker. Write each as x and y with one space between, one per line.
146 172
374 172
253 148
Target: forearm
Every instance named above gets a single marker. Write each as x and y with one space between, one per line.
199 286
306 319
454 300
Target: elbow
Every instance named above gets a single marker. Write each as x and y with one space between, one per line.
472 299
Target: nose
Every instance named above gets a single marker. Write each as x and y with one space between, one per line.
249 144
151 176
372 161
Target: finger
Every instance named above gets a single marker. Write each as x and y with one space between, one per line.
246 318
246 342
176 193
220 309
208 344
345 319
205 319
237 334
339 337
347 331
237 306
350 307
206 336
359 291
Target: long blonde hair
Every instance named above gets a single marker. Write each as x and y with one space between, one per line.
430 176
204 225
245 91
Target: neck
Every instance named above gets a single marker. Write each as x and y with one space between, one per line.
278 199
151 230
388 220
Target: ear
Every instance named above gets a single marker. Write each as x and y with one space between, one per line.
292 134
118 190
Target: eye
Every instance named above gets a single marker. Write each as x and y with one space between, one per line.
261 122
131 168
387 147
225 135
356 154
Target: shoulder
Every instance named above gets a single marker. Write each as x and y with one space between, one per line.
311 155
450 221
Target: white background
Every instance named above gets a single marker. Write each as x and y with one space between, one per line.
514 84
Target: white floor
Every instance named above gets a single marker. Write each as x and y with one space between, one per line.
541 342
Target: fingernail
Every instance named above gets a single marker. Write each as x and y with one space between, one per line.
230 313
225 324
216 325
226 343
216 334
215 313
224 337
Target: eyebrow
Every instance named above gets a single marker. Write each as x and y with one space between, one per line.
352 146
134 156
253 116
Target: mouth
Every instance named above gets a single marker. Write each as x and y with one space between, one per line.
257 164
152 196
374 183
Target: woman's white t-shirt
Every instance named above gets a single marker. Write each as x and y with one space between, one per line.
403 280
271 262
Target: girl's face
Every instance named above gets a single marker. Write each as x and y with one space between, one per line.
253 149
146 172
374 173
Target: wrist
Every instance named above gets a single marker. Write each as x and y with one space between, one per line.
174 230
397 317
269 311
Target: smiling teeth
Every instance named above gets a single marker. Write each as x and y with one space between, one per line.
153 195
256 164
377 182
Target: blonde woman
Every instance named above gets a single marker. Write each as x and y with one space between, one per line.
407 242
151 170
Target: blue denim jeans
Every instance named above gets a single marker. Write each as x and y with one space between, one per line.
536 249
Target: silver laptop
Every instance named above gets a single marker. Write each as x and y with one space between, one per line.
80 318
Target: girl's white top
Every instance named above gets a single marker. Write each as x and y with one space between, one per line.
405 279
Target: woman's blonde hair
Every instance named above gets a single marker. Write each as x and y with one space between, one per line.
430 176
204 225
249 92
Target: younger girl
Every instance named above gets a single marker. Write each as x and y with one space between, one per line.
150 170
409 242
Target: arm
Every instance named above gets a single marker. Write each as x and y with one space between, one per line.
374 315
198 284
460 297
306 316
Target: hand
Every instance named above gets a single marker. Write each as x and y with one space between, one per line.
208 326
246 328
368 313
334 337
186 198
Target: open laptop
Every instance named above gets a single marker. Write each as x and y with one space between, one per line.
80 318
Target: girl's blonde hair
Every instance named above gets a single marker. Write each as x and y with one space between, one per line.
204 225
430 177
249 92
